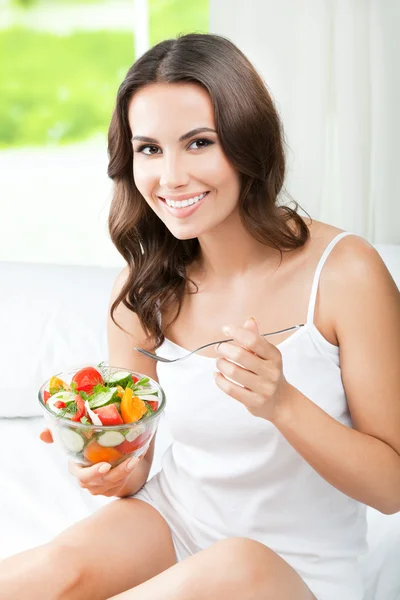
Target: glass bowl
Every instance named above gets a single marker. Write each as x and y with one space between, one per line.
86 444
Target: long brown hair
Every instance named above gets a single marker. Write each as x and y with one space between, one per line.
250 132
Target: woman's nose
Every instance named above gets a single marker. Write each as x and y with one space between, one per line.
173 174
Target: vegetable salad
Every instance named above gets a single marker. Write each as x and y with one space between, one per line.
101 396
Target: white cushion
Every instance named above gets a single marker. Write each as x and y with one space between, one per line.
51 318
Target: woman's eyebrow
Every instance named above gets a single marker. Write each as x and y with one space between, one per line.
185 136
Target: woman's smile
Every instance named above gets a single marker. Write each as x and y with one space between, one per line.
184 207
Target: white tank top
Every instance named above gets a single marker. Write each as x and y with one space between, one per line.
229 473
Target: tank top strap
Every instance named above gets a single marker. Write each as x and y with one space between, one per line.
314 287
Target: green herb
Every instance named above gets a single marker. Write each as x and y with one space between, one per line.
143 382
97 389
71 409
104 370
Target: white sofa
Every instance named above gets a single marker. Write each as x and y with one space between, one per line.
52 317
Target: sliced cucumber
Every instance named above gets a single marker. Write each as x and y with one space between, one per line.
119 378
135 432
103 398
149 397
72 439
150 392
110 438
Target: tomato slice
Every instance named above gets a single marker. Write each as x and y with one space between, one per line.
86 379
46 396
80 408
127 447
153 404
109 415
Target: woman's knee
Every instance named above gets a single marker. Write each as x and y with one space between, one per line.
250 561
259 571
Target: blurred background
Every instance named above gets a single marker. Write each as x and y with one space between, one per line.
330 65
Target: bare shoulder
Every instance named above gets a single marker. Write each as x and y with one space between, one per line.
357 287
355 262
120 281
127 332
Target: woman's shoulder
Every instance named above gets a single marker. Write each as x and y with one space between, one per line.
352 256
353 268
352 248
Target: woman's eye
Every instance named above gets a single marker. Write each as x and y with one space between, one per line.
150 149
201 143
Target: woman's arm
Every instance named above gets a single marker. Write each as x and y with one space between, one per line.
121 354
363 462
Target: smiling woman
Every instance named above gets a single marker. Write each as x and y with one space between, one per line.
277 447
174 161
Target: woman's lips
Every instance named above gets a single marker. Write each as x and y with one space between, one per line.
186 211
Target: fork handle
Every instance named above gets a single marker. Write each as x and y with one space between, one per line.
262 334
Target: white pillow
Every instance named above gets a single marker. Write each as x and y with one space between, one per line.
51 317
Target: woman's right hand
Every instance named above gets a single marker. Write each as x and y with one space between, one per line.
99 479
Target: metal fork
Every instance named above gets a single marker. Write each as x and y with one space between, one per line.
171 360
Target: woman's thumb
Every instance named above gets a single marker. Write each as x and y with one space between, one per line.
251 323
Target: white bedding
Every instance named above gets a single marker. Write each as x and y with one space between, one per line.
39 498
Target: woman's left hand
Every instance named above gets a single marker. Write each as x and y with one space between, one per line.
260 372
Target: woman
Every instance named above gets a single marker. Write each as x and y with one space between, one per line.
279 442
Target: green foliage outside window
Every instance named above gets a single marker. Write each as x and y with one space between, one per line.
61 89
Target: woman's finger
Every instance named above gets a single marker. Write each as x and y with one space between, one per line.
252 341
85 475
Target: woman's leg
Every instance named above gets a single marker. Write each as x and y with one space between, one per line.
234 569
121 545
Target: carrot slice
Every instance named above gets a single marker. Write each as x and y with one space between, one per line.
132 407
96 453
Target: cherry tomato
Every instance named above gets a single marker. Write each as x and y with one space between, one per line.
46 396
60 404
86 379
153 404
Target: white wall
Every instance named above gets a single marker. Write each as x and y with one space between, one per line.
54 205
332 68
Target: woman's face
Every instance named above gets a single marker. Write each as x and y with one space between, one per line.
178 158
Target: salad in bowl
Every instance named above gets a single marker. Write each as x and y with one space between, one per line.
102 413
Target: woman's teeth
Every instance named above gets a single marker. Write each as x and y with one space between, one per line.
184 203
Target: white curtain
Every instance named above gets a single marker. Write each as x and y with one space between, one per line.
332 67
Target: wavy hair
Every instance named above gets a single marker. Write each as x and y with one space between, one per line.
250 133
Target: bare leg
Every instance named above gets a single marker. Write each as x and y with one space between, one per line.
233 569
121 545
